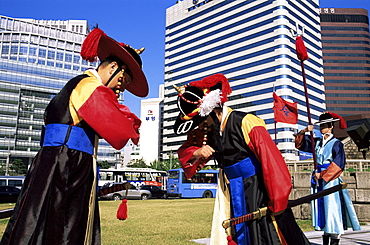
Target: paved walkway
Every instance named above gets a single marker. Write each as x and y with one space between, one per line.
350 237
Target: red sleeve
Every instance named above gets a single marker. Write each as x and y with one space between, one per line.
331 173
185 153
276 175
112 121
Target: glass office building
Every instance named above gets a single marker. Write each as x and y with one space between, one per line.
37 57
251 43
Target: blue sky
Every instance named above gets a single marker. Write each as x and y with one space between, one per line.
140 23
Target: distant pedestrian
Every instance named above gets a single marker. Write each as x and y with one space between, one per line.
333 213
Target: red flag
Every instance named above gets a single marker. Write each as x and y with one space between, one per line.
300 49
284 111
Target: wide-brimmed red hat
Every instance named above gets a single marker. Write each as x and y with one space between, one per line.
98 44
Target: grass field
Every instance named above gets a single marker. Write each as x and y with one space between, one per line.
156 221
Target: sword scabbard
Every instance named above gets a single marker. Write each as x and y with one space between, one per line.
259 213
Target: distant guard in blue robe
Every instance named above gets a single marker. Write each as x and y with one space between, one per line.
333 213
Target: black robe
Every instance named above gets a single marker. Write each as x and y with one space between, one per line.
58 204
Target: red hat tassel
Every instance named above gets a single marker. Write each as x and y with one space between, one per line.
230 241
301 49
342 122
89 49
122 210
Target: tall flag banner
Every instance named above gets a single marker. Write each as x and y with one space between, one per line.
284 111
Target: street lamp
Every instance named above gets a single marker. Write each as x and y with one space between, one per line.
117 154
7 158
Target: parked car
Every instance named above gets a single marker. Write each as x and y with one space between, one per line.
155 190
9 194
132 193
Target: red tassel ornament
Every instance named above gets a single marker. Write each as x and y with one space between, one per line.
122 210
301 49
230 241
89 49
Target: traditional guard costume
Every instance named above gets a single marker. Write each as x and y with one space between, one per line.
253 173
333 213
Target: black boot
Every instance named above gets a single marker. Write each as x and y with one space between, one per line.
325 239
334 241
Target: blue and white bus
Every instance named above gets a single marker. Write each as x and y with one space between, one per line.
136 176
16 181
202 184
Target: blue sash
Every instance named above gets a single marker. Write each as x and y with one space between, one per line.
236 173
73 137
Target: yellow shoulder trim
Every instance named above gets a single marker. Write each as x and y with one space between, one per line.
81 94
248 123
229 110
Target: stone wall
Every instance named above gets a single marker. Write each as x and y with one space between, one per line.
358 185
351 150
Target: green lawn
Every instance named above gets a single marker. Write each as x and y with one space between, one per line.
156 221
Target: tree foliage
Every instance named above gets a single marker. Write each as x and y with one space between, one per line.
166 164
17 167
104 165
137 163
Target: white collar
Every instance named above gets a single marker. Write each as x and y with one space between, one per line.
95 73
324 141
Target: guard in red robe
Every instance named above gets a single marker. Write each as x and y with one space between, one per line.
58 202
253 174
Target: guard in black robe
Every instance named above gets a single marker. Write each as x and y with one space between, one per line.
58 202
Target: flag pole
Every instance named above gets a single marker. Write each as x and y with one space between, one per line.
309 115
302 56
276 141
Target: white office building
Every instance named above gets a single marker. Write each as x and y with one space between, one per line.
250 42
150 129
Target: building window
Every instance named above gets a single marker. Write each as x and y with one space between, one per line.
42 53
50 63
32 51
68 58
76 59
67 66
23 50
14 50
51 54
60 56
32 60
5 50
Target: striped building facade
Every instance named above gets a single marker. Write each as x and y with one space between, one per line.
346 55
251 43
